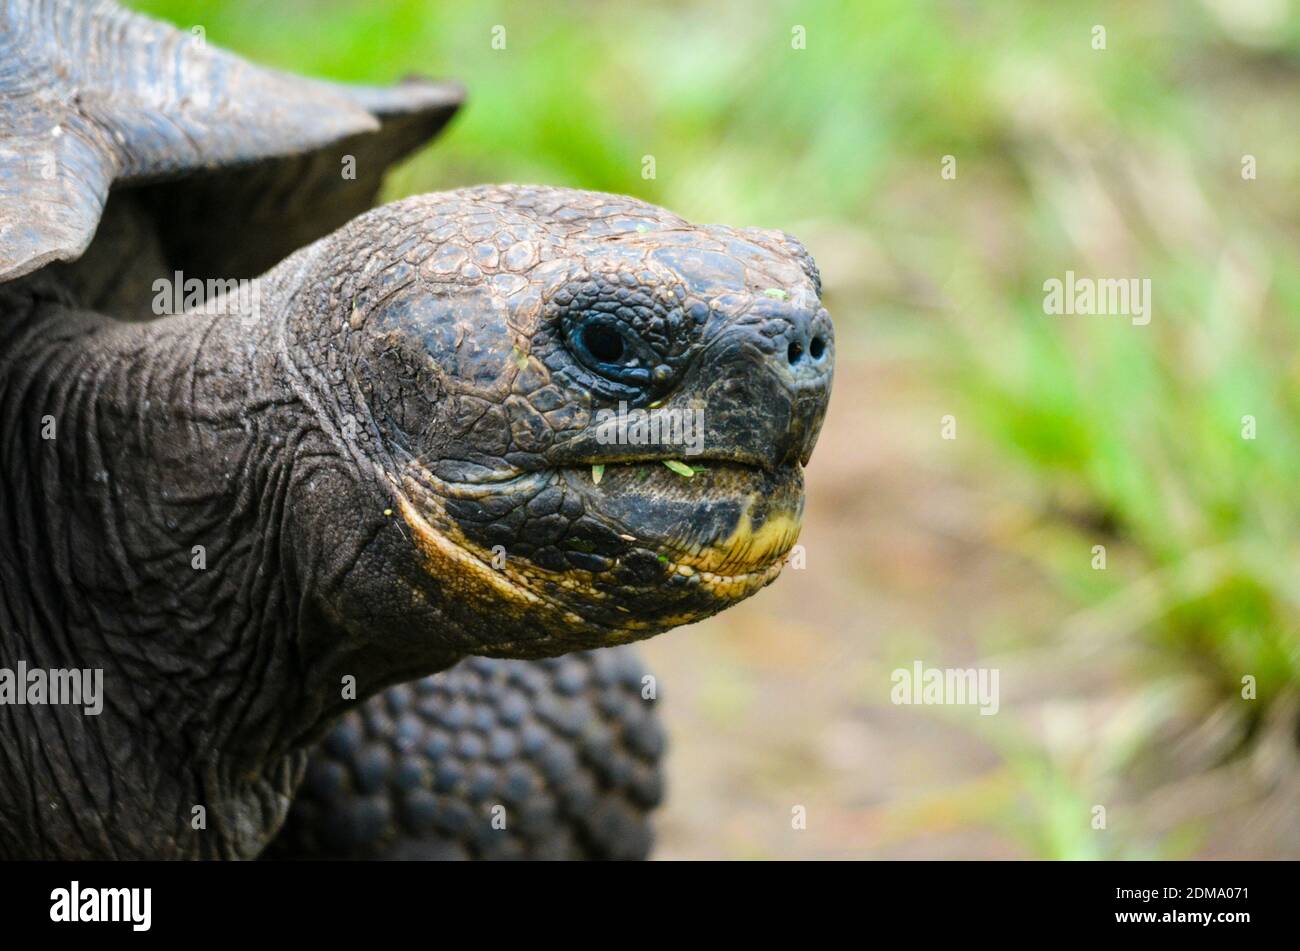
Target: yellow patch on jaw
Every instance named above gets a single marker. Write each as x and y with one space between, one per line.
446 559
747 550
730 587
449 555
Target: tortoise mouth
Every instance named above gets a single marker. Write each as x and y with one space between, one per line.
650 551
710 521
723 519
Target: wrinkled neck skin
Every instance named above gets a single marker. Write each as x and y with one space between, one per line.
152 475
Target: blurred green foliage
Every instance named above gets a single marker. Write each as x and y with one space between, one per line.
1122 162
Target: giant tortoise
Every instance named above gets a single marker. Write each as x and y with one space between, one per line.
270 458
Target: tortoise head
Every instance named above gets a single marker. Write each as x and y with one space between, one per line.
589 418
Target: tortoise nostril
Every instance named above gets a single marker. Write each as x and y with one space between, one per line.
795 352
817 348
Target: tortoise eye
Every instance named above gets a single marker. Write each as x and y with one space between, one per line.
612 350
603 343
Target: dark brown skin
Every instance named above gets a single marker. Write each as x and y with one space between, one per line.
410 393
493 759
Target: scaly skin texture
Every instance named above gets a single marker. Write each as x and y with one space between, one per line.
387 463
493 759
